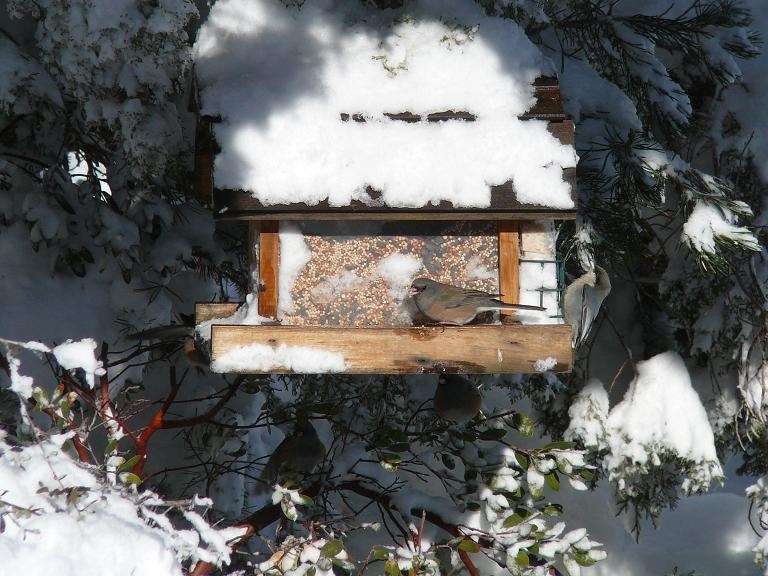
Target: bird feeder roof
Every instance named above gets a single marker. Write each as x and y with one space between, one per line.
436 110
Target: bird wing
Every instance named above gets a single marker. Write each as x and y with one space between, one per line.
451 296
280 460
471 292
583 300
482 301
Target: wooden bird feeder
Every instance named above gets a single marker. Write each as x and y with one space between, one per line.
340 306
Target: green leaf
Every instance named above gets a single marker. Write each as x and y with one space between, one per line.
522 459
469 545
74 494
305 500
331 548
513 520
473 506
380 553
128 464
111 446
391 458
289 510
391 568
130 478
448 461
553 509
583 559
522 559
327 408
525 424
559 446
587 475
493 434
344 565
553 480
40 397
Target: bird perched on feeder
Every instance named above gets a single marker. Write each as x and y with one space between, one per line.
456 398
455 306
582 301
296 456
174 334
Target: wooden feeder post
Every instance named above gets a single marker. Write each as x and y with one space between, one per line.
509 264
268 269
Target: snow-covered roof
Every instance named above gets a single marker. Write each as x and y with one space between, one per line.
282 79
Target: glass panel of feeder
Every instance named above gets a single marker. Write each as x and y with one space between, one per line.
358 273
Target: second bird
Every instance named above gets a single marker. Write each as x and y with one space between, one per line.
455 306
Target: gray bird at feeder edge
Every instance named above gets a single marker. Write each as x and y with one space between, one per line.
174 334
295 457
455 306
456 398
582 302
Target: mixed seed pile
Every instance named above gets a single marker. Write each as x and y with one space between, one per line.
341 285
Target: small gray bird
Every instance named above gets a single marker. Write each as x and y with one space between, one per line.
296 456
456 398
451 305
582 302
171 336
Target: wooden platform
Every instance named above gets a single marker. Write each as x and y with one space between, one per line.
486 349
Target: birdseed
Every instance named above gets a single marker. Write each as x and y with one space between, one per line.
340 286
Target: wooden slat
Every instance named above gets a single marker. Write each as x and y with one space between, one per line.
240 204
509 264
549 102
205 311
410 117
296 215
252 256
269 267
205 152
564 131
496 349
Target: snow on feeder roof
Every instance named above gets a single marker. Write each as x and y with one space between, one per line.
334 106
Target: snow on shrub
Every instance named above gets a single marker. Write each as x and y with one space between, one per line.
64 516
660 419
60 516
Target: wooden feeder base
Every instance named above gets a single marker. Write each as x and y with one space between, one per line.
486 349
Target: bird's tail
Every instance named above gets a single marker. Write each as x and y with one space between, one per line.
172 332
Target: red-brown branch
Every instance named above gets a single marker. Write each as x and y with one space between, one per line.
103 405
157 422
77 442
80 448
471 568
206 416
